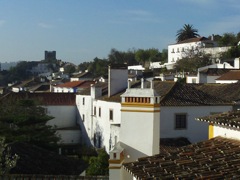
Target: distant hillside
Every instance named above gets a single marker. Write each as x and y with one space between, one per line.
8 65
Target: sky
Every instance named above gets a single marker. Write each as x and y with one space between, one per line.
80 30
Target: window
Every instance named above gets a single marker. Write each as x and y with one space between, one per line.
94 111
194 80
83 101
111 114
99 112
180 121
83 117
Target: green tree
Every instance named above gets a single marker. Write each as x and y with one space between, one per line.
148 55
84 66
98 165
164 56
120 57
192 61
233 52
99 67
187 32
25 121
21 71
69 69
7 160
228 39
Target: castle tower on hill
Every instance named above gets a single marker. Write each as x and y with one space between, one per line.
140 128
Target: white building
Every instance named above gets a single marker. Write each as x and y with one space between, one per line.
226 124
72 87
182 49
100 111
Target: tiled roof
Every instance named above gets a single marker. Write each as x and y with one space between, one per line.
217 158
171 93
45 98
229 119
74 84
171 144
187 95
103 85
231 75
215 71
161 88
83 75
193 40
229 92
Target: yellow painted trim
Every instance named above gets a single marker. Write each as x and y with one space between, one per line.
210 131
115 161
114 167
147 105
149 111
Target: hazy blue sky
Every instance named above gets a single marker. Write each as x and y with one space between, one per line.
80 30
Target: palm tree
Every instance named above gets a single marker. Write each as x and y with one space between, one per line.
186 32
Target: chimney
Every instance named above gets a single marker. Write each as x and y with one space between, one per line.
129 84
95 91
117 79
142 83
152 84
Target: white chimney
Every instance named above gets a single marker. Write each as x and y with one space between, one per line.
142 83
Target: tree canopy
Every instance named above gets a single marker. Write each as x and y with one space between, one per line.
23 120
193 61
98 165
187 32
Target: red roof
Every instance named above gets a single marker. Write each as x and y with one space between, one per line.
231 75
197 39
74 84
66 99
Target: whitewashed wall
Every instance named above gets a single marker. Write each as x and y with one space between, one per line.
63 90
196 131
85 118
70 136
65 119
103 124
175 51
226 81
227 132
100 125
64 116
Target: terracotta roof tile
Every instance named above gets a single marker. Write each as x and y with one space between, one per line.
194 40
171 144
70 84
230 119
215 71
229 92
188 95
231 75
211 159
74 84
45 98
